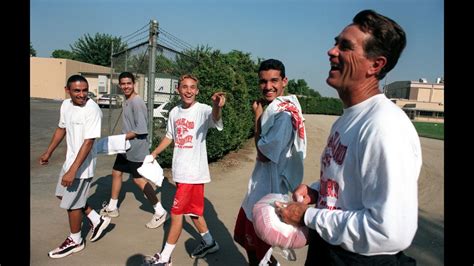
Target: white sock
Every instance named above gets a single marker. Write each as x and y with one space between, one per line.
76 237
94 217
159 208
267 258
166 252
112 204
207 237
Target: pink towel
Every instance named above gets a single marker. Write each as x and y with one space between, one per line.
271 229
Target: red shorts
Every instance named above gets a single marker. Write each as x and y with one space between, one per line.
189 199
245 235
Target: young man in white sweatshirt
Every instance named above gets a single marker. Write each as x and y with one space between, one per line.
366 202
188 124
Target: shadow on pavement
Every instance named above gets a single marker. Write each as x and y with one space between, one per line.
428 245
228 253
135 259
103 189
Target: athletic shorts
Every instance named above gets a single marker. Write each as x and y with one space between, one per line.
123 165
188 200
244 234
75 196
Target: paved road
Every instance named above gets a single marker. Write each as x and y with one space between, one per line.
127 238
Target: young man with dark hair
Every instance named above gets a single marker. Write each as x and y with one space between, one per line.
80 121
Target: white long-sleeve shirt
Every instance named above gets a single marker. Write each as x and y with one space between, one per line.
368 192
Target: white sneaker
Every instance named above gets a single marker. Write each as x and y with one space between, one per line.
110 213
154 260
96 231
157 220
66 248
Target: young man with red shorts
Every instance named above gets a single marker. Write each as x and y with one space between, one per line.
188 124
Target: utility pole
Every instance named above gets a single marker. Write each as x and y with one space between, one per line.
151 77
110 88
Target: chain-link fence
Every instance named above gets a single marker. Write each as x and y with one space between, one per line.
168 67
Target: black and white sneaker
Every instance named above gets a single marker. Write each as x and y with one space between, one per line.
66 248
97 230
155 260
203 249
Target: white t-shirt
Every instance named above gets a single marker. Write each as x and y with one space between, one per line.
80 122
368 201
188 129
284 168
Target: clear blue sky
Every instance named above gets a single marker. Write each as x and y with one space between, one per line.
298 32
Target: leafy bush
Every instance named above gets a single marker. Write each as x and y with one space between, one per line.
321 105
235 74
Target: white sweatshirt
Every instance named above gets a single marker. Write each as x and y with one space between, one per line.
368 191
188 127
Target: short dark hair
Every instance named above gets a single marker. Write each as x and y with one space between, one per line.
126 75
75 78
387 38
272 64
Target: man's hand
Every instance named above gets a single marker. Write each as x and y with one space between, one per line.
305 194
67 179
218 99
149 158
44 158
291 212
257 109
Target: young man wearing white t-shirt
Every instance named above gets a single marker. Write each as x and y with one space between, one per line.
80 121
188 124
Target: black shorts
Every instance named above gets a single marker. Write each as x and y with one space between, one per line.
322 253
123 165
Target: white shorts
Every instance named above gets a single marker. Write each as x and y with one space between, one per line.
74 196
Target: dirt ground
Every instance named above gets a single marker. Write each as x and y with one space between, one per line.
127 240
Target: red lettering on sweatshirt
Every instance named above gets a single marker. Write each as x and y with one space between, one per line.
328 194
334 150
183 139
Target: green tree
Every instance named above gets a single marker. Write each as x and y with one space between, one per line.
133 62
235 74
32 50
164 65
299 87
97 49
292 87
62 54
321 105
314 93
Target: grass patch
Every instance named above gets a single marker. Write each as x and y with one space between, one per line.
430 130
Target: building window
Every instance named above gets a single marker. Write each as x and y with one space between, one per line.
426 114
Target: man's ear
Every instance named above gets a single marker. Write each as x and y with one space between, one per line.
377 64
285 82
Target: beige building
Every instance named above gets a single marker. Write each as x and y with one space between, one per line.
421 101
48 77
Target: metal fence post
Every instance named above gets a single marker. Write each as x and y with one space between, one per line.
110 88
151 77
